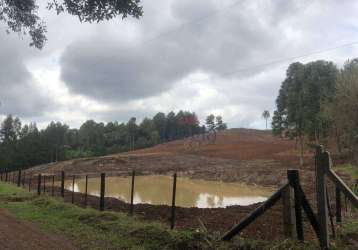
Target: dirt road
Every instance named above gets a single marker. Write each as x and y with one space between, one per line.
18 235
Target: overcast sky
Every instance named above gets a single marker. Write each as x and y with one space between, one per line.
208 56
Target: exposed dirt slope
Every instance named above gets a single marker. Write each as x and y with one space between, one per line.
238 144
246 155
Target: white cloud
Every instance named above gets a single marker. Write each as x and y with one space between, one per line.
166 61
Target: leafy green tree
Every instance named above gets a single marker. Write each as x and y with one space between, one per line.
300 99
92 137
21 16
210 122
10 129
341 111
54 136
160 121
171 128
220 125
9 134
24 146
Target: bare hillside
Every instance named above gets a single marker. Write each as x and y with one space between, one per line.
251 156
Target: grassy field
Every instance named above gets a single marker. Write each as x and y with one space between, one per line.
91 229
348 169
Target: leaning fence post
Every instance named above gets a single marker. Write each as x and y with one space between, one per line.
39 184
322 167
62 183
172 219
86 190
73 189
288 216
293 178
103 186
19 178
132 193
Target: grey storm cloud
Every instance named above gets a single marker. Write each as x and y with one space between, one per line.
112 71
18 95
122 68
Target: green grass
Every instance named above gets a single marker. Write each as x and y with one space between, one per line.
348 169
91 229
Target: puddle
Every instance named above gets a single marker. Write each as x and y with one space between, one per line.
157 190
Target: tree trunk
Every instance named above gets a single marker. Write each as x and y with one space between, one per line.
316 135
301 149
338 141
266 123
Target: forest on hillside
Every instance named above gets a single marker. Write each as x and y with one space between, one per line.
22 146
317 102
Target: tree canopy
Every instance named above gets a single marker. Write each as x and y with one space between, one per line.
341 111
300 98
22 16
300 101
215 123
22 146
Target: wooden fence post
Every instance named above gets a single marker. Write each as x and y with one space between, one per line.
322 167
103 186
62 183
287 213
172 219
53 186
86 190
39 184
44 184
293 178
30 178
330 214
132 194
19 178
24 179
5 175
73 189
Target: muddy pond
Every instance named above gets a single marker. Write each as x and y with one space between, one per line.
157 190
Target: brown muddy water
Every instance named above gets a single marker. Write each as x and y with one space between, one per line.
157 190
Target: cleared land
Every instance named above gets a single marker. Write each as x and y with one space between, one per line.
238 155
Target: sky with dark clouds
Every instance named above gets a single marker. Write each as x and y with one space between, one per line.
207 56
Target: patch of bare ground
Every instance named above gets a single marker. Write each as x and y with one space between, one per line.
18 235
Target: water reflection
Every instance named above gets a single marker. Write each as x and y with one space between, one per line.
190 193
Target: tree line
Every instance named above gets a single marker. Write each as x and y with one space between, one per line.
318 101
22 146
